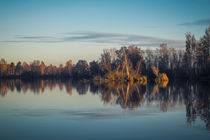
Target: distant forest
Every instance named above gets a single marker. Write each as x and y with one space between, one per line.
191 63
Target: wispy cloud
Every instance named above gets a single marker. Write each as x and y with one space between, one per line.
100 37
196 22
35 37
82 114
32 39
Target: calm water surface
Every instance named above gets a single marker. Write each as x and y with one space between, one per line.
78 110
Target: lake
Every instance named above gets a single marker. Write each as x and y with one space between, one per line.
55 109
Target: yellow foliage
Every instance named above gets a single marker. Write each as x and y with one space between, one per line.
42 67
162 77
131 79
140 78
144 83
3 68
144 78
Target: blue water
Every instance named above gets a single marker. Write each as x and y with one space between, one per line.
58 114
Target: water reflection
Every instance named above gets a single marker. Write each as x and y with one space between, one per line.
195 97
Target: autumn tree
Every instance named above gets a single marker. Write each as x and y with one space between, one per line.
42 68
69 65
51 70
26 67
3 67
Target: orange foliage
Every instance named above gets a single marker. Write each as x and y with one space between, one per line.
42 67
163 84
3 68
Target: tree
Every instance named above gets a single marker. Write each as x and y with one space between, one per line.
190 49
51 70
11 70
135 54
94 68
18 69
205 43
26 67
105 61
81 70
35 67
163 58
3 61
69 65
3 67
149 57
42 68
60 68
199 55
188 44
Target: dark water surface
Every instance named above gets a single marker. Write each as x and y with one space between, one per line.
77 110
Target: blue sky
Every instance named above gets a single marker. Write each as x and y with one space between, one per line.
58 30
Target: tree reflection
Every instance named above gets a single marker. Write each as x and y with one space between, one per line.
195 97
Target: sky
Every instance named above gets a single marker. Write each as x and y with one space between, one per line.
58 30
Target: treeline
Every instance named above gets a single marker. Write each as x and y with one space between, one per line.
193 62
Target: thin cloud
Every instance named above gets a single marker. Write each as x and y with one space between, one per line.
196 23
32 39
100 37
122 39
81 114
35 37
